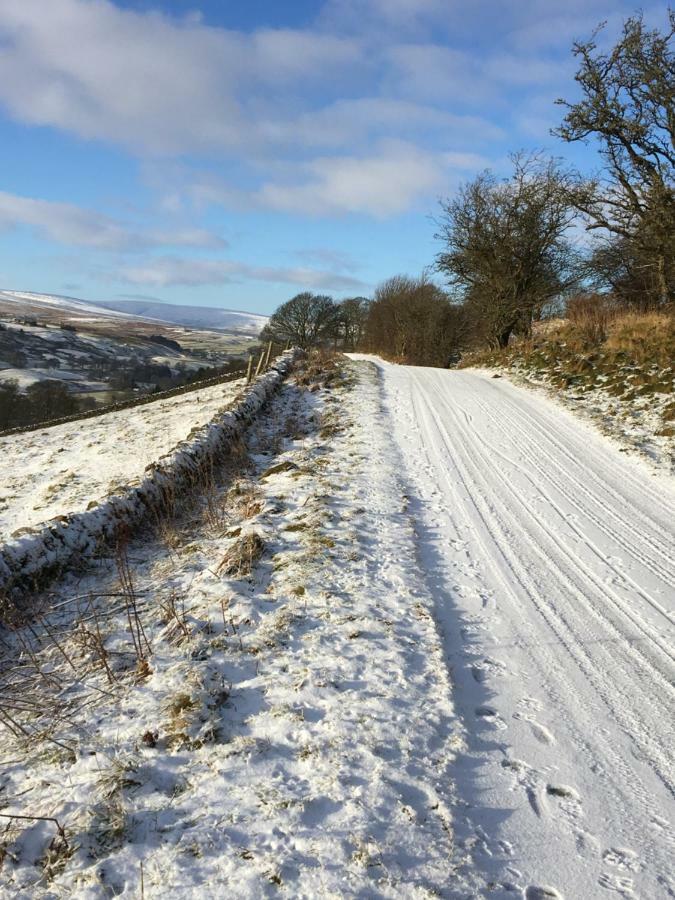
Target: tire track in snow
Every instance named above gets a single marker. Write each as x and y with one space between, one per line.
654 567
623 576
635 726
659 539
513 553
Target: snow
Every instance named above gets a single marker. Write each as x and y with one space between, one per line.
449 673
27 376
304 729
635 425
209 317
552 561
29 303
21 298
61 469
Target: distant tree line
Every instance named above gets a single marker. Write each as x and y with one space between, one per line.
51 399
508 256
137 374
164 341
42 401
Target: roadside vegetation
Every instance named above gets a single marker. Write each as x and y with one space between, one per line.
611 364
629 354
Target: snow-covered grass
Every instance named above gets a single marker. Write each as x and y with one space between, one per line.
62 469
253 703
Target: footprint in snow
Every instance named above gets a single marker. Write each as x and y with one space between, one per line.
586 844
541 892
482 670
506 847
537 800
561 790
619 883
530 703
622 858
541 732
489 714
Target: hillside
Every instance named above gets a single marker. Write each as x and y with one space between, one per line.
66 467
98 356
209 317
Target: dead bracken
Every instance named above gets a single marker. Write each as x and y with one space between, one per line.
242 555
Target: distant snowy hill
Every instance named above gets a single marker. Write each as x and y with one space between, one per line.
211 318
191 316
29 302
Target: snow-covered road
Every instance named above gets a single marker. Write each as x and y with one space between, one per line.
551 558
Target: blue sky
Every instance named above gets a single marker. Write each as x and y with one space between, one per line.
232 154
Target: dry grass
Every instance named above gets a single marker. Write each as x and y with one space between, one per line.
589 317
628 354
240 558
321 369
644 338
245 499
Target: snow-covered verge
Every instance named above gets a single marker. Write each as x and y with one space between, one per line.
258 706
636 423
58 470
26 559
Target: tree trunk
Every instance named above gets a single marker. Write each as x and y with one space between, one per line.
503 337
661 280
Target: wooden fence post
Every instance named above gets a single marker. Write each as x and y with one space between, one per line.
269 353
249 369
260 362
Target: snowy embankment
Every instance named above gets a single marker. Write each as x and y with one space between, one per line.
47 549
636 425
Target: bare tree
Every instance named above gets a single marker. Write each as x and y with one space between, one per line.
628 106
619 265
506 254
352 313
304 321
412 320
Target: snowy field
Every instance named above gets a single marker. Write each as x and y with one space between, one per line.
61 469
416 642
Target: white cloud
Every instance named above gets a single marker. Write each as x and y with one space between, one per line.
165 271
351 115
145 80
388 179
348 121
383 184
66 223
